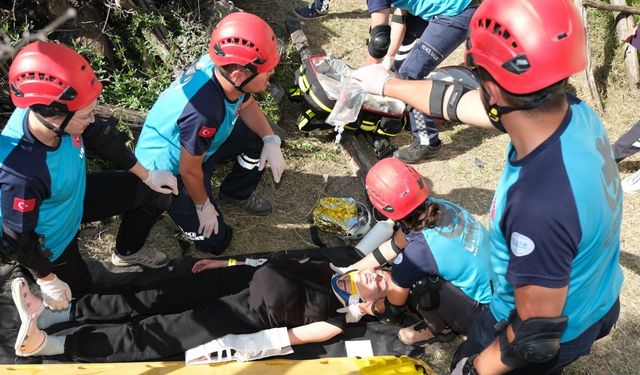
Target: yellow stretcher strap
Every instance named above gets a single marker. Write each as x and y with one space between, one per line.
383 365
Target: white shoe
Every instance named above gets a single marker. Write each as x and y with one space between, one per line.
28 305
144 257
631 184
31 340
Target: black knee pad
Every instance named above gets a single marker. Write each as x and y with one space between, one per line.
379 40
218 246
425 294
156 203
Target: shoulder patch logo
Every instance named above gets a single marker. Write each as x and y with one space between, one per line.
398 259
24 205
207 132
521 245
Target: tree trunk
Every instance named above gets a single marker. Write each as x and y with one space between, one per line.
586 78
624 26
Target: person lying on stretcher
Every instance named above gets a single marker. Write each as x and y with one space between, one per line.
172 315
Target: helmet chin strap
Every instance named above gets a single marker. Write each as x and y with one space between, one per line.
495 111
240 86
59 130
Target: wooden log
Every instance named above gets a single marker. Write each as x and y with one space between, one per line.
614 7
586 78
355 153
624 27
133 119
298 39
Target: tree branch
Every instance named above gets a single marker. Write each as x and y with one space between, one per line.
615 8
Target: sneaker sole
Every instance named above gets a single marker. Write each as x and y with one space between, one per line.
423 343
22 333
16 294
309 18
630 190
234 206
417 161
120 263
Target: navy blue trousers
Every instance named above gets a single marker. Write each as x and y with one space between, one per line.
484 332
425 46
242 146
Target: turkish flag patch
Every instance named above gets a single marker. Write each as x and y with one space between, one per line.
24 205
207 132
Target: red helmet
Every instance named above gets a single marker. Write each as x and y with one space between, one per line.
527 45
52 74
395 189
244 39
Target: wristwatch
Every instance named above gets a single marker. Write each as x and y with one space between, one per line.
469 368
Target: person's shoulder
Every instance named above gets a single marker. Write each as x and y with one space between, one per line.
209 100
20 153
446 204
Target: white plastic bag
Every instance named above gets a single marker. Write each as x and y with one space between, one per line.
347 105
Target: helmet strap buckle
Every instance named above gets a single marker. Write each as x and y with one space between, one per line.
58 130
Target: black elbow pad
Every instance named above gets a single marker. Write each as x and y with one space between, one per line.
537 340
393 314
460 78
25 249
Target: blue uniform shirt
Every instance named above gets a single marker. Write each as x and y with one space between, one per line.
193 113
456 249
41 187
555 221
425 9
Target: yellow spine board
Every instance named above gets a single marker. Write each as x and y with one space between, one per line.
383 365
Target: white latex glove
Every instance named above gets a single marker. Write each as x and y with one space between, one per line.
162 182
271 153
340 270
247 347
353 314
208 218
255 262
372 78
56 294
387 62
458 370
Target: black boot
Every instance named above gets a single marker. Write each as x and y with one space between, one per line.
417 152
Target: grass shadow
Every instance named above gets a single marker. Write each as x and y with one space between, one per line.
351 15
475 200
628 166
601 73
463 140
630 261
